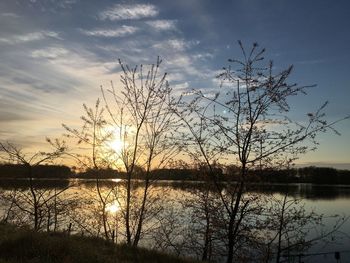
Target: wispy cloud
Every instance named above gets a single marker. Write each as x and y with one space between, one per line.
162 25
47 88
203 56
118 32
66 3
185 63
175 44
12 15
34 36
49 53
181 86
123 12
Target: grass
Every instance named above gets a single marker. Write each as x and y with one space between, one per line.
24 245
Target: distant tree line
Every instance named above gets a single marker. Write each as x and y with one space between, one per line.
311 174
322 175
38 171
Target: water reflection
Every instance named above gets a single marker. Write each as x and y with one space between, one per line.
174 204
305 191
117 180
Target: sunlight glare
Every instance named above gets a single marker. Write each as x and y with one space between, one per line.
117 145
113 207
117 180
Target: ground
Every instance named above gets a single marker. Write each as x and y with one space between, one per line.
24 245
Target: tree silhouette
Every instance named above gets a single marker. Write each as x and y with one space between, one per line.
141 114
91 155
36 203
138 118
247 123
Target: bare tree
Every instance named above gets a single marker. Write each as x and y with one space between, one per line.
247 124
134 137
36 203
292 229
91 154
144 123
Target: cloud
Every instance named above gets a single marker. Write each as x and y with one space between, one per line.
34 36
46 88
51 70
49 53
175 44
185 64
7 116
181 86
66 3
203 56
9 15
50 6
175 76
123 12
119 32
162 25
38 84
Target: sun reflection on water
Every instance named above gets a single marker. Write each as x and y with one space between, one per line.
117 180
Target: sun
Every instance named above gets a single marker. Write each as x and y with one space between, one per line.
113 207
117 145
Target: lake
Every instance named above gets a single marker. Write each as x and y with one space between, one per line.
175 220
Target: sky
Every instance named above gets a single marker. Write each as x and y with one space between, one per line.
55 55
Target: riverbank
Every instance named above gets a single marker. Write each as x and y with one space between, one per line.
314 175
25 245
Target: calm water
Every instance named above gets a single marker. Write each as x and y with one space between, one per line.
176 205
